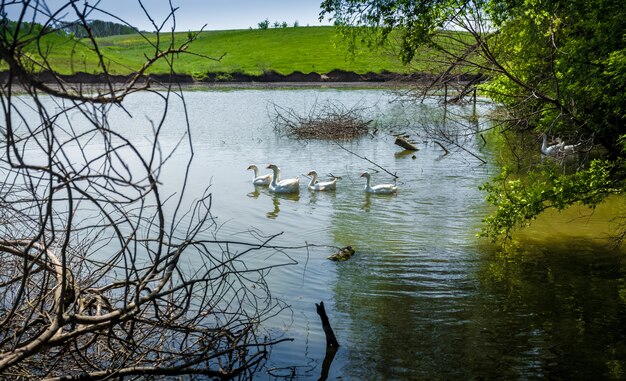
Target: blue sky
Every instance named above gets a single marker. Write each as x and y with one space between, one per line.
217 14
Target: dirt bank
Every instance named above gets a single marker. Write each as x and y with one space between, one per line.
333 77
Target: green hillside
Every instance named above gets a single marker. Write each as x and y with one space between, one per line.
305 49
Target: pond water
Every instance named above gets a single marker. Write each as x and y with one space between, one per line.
422 298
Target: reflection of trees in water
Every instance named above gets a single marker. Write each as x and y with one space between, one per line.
557 313
554 309
380 320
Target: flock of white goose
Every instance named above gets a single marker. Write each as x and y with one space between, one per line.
292 185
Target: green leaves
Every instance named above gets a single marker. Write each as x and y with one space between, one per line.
518 201
556 66
416 22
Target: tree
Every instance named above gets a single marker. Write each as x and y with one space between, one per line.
264 24
105 273
557 67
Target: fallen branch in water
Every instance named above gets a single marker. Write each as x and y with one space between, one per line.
404 143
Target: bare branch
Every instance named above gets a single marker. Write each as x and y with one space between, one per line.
106 271
368 160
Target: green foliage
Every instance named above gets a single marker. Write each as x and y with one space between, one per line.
264 24
520 200
223 77
555 66
569 79
415 23
199 76
568 60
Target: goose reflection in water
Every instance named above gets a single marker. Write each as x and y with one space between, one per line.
367 204
328 197
276 197
254 194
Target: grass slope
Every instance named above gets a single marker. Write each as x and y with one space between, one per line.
305 49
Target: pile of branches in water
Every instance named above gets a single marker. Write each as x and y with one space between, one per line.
324 121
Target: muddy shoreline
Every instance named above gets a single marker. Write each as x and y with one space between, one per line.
338 78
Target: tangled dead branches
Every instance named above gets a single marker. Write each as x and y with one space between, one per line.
328 120
109 271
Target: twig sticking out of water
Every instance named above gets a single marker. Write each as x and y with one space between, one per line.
368 160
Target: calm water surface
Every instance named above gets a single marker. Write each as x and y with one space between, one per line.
423 298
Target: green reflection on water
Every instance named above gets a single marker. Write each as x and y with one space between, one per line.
552 306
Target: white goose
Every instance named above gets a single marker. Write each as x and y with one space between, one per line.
568 149
283 186
552 150
315 185
260 180
380 188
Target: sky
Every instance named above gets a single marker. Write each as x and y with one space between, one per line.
216 14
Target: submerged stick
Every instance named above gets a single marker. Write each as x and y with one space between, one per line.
328 361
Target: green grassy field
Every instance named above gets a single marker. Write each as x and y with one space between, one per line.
304 49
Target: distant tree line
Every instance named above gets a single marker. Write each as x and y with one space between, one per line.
99 28
265 24
25 27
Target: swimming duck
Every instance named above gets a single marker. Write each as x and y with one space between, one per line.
547 150
569 148
260 180
283 186
380 188
315 185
